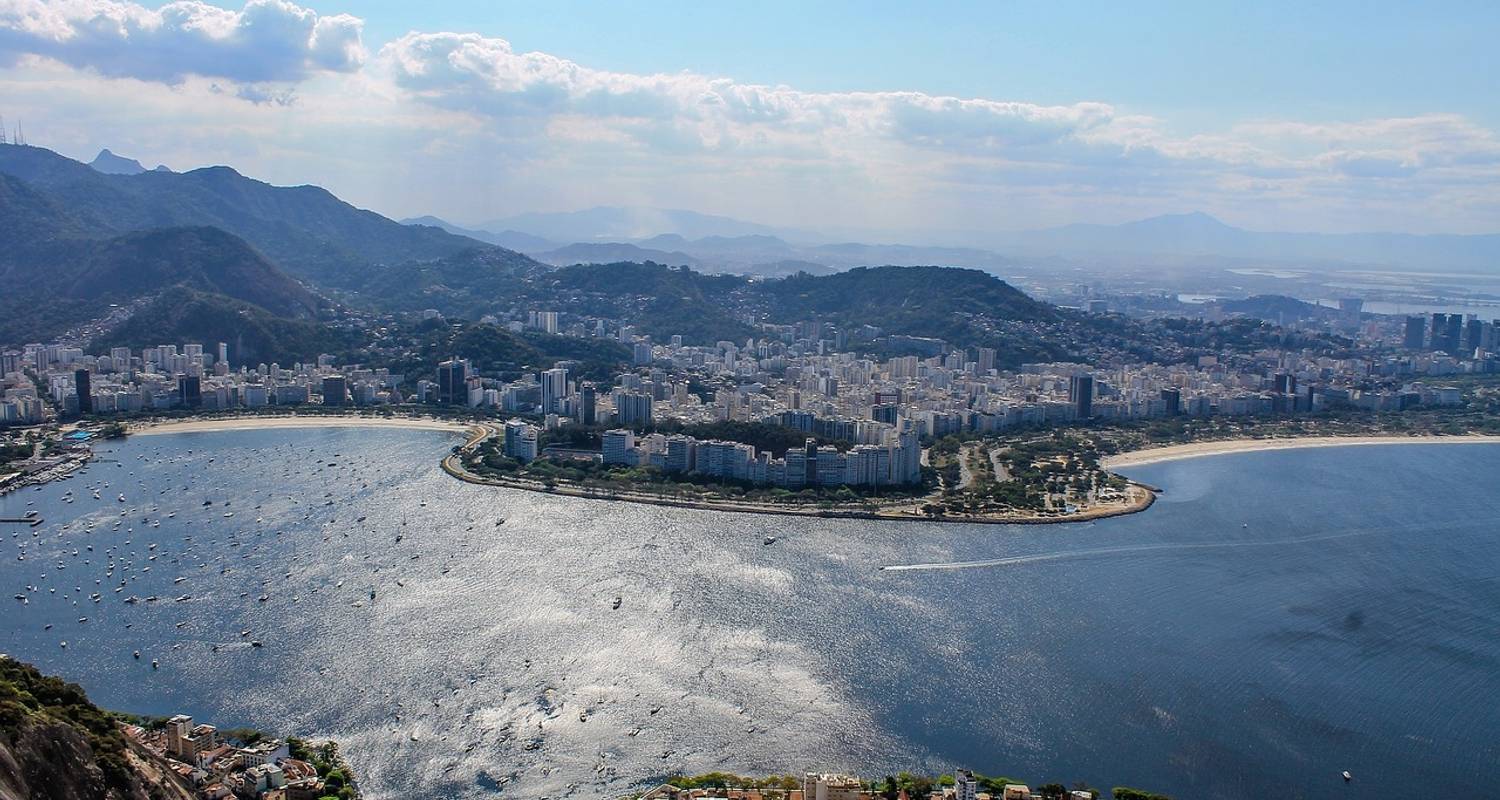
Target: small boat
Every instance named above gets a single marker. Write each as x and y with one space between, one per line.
617 603
1347 776
769 540
154 664
137 655
255 643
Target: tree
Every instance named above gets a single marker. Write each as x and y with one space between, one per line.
1127 793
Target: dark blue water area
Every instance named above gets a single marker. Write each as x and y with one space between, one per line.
1275 618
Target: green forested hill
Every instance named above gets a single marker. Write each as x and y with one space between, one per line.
254 335
303 229
57 272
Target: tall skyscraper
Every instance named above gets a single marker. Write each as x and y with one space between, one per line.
81 385
1473 335
223 353
986 359
190 390
633 408
554 388
1439 338
335 390
587 407
453 377
1173 400
1415 333
1081 395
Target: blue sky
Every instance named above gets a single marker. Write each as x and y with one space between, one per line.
1208 62
887 120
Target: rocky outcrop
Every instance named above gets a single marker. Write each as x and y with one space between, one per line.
55 745
54 761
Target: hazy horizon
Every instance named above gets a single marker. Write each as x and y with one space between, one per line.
959 118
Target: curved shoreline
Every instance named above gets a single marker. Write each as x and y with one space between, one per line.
1141 499
1141 496
296 421
1153 455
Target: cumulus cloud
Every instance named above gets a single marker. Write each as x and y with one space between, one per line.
266 41
486 76
498 125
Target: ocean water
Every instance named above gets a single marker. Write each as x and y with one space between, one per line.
1276 618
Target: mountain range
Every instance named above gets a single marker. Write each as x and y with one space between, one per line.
304 230
629 223
210 254
1199 234
729 245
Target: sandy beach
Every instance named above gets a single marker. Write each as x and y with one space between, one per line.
244 423
1177 451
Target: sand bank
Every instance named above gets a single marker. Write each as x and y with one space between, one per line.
1153 455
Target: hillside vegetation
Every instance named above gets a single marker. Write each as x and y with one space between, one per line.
254 335
305 230
54 743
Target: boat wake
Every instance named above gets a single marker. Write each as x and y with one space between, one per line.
1011 561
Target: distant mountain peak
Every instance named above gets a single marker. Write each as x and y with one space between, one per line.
633 223
112 164
1192 220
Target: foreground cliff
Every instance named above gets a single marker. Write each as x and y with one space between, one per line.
56 745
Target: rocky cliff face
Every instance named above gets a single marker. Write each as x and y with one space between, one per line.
55 745
53 761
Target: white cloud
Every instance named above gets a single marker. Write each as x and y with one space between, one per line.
267 41
462 125
487 77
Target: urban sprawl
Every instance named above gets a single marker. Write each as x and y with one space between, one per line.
796 377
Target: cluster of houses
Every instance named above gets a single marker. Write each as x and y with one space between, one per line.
828 786
218 768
